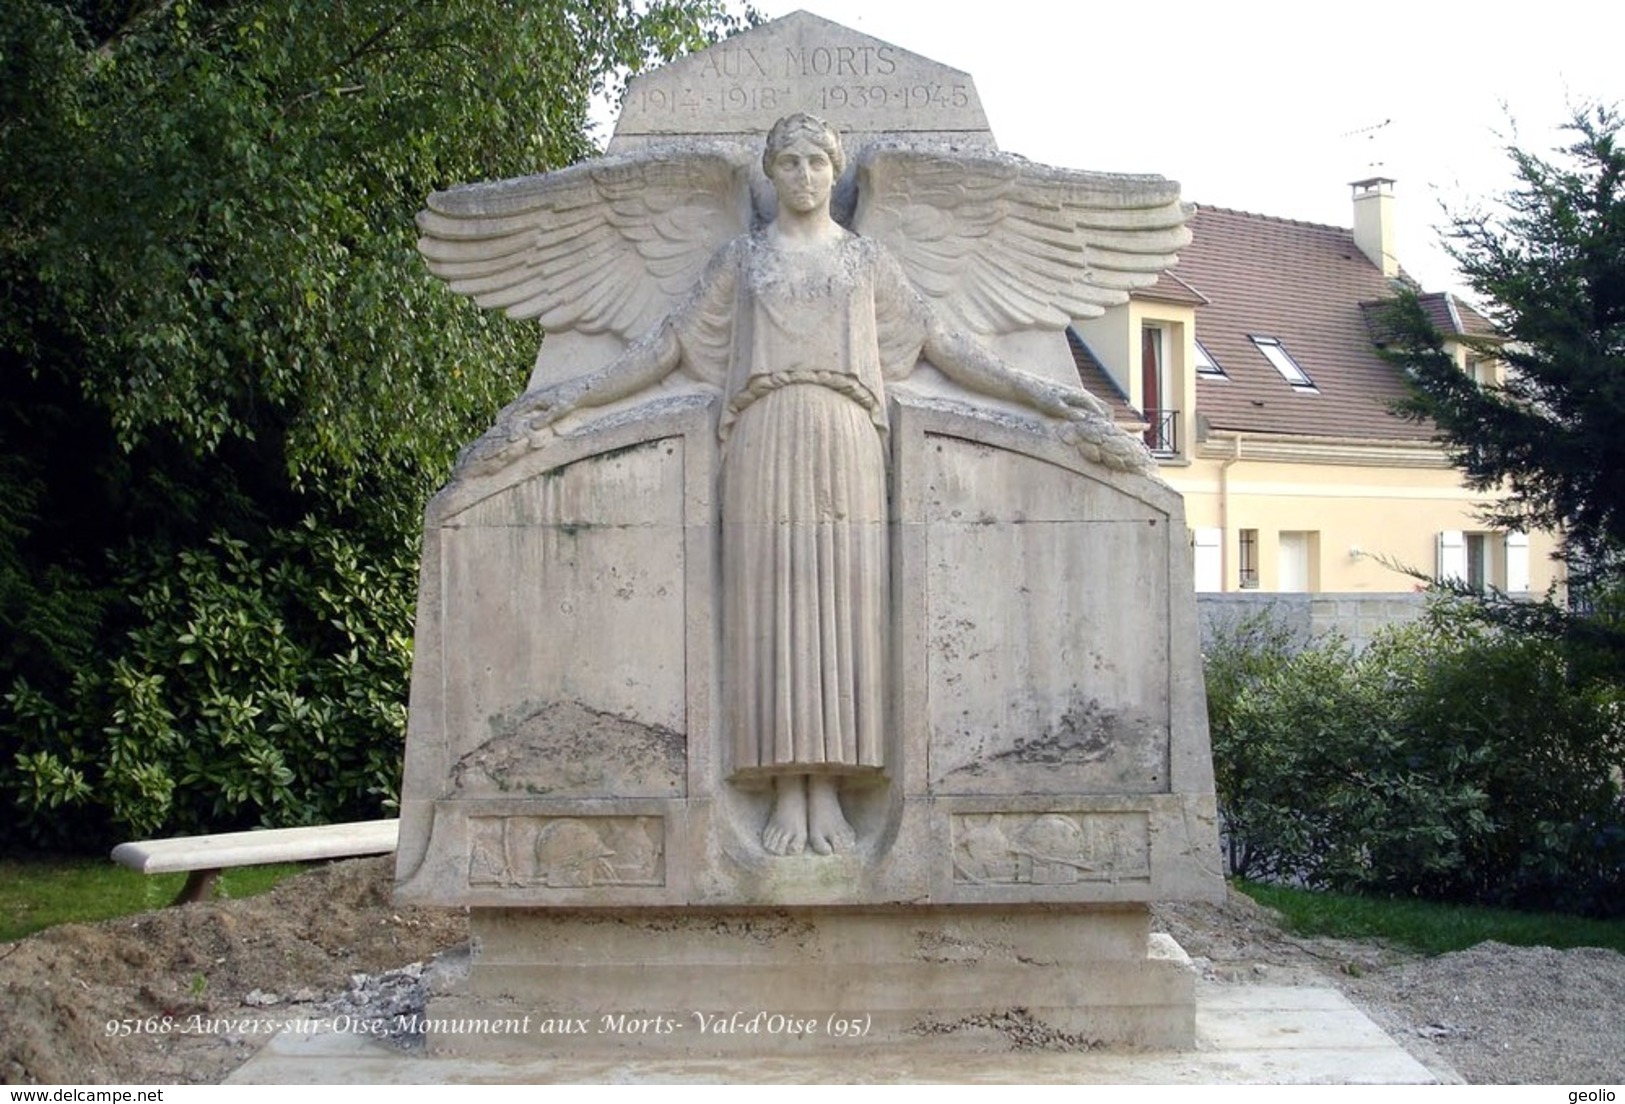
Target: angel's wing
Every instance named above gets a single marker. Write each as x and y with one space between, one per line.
609 245
1003 245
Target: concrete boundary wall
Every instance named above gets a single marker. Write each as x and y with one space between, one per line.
1355 617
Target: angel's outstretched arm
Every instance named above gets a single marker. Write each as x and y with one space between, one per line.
1088 423
644 363
971 364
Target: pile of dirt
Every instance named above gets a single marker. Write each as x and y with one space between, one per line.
89 1003
1496 1015
1509 1015
71 993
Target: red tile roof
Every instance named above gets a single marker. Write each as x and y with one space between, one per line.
1302 284
1169 288
1451 317
1447 314
1099 383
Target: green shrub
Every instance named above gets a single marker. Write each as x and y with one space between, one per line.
1239 654
1449 760
260 687
1320 783
1540 730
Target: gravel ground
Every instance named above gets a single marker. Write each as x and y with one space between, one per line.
332 940
1497 1015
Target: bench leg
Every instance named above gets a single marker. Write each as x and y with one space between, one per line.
199 886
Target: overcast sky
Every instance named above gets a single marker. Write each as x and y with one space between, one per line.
1266 107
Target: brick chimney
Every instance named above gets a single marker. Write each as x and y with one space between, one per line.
1374 222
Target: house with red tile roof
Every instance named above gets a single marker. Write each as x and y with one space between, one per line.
1253 370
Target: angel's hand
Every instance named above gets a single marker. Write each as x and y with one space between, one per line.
513 434
1080 400
1090 429
539 409
1061 402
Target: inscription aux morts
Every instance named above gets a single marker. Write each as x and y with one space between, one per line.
778 78
744 63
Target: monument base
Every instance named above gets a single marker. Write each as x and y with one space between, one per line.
730 982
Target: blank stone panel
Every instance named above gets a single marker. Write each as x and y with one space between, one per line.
564 667
1047 649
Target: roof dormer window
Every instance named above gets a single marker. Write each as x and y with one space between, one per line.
1277 355
1206 366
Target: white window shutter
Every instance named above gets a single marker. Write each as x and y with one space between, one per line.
1452 555
1517 560
1208 546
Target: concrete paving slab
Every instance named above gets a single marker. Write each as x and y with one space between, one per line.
1343 1028
1245 1035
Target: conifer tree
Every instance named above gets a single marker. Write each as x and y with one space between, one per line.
1547 262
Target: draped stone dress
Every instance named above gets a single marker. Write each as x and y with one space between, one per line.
802 342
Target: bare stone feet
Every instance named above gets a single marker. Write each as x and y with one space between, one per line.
786 829
807 812
827 829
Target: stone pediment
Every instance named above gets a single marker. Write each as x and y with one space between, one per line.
802 62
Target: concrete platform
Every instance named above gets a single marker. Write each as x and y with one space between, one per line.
1246 1034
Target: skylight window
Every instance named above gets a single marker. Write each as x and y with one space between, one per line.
1277 355
1206 366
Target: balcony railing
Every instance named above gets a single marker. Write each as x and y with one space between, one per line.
1162 435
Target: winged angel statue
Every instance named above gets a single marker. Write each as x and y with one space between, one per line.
800 324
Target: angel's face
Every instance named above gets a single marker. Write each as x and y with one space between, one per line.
803 175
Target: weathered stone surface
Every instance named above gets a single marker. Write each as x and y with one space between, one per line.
579 852
803 63
1043 685
1054 673
558 749
804 637
698 983
1052 848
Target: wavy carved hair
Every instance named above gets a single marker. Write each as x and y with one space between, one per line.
810 127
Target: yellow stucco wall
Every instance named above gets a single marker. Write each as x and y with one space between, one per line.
1368 520
1115 341
1368 508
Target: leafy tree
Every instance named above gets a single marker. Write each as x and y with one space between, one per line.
1549 263
227 384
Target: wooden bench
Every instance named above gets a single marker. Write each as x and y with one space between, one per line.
204 857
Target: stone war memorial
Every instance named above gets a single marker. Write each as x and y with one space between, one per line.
804 647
